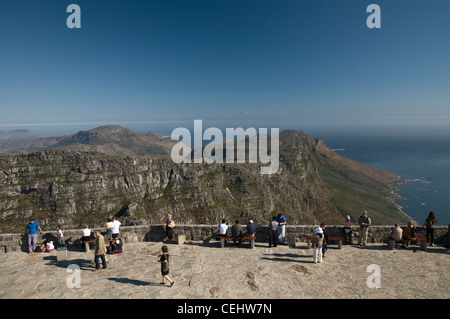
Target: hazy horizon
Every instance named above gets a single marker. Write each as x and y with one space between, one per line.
307 65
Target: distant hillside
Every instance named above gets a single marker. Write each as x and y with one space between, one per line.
79 182
109 139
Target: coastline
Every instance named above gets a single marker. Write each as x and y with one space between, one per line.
396 196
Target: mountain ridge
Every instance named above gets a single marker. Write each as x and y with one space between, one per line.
110 139
73 186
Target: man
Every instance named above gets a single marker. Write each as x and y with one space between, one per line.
251 228
396 234
325 240
223 227
115 228
281 220
408 235
100 250
32 228
364 223
236 231
273 235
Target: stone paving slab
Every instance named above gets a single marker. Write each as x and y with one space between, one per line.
206 271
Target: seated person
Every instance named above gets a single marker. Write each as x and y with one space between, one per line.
223 228
396 234
236 231
86 235
408 234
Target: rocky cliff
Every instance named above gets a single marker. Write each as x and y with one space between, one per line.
74 187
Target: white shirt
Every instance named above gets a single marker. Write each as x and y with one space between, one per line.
86 232
223 229
115 227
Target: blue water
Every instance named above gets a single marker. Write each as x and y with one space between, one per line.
423 163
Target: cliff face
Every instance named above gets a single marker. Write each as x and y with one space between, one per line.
73 187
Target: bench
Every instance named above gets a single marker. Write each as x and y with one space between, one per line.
250 238
91 241
421 240
310 240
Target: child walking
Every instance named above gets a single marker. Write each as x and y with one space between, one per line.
318 245
164 261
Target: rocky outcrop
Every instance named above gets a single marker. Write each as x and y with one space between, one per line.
73 187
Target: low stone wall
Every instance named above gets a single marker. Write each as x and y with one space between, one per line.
377 234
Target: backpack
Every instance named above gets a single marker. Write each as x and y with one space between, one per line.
413 232
115 247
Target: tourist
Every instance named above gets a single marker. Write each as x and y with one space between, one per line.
273 232
223 227
281 220
108 228
429 224
364 223
165 265
325 240
49 246
32 228
410 233
348 231
251 228
85 234
115 228
396 234
100 250
60 236
170 225
236 232
318 245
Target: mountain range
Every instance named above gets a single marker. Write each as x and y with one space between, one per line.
89 176
108 139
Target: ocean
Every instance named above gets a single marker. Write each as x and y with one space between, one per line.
422 163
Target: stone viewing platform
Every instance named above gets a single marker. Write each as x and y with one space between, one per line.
203 270
207 233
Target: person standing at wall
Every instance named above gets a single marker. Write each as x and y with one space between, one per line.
429 224
318 245
60 236
348 231
170 225
32 228
364 223
273 232
115 228
281 220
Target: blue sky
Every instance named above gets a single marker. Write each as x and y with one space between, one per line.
287 64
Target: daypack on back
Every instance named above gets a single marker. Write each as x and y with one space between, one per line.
413 232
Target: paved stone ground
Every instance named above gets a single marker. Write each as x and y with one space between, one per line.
205 271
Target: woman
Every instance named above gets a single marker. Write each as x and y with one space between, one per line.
429 227
348 230
170 224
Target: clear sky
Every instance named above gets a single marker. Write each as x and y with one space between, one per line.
279 63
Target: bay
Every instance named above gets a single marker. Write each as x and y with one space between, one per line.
422 163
